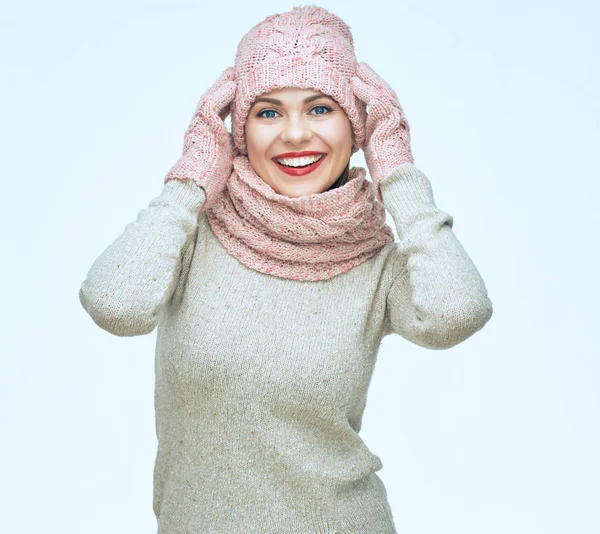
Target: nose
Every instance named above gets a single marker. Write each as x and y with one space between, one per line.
296 131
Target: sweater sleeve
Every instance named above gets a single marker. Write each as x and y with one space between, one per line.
437 298
128 284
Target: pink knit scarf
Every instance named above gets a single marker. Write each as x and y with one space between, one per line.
313 237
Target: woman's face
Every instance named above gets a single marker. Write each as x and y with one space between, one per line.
298 120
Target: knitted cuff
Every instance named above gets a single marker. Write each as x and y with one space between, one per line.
185 193
187 169
407 194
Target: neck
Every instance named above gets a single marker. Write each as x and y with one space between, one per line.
343 178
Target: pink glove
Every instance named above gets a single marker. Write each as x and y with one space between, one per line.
208 148
387 130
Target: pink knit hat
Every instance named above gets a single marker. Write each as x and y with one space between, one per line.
308 48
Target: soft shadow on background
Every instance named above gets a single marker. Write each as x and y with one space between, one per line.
498 434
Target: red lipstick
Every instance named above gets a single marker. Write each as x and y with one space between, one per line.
300 171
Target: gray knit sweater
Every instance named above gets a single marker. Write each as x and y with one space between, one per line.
261 382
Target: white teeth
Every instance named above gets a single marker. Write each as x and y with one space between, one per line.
299 162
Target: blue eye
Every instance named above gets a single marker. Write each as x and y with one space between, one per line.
324 107
265 111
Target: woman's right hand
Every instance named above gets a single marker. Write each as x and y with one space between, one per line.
208 148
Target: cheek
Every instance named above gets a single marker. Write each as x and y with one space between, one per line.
259 138
337 133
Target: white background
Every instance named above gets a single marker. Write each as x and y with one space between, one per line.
498 434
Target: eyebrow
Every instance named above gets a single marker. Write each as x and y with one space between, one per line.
279 102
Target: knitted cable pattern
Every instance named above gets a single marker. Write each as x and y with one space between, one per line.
308 48
312 237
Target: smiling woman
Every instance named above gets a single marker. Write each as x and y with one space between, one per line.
272 295
299 141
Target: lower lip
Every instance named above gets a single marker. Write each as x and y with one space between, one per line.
300 171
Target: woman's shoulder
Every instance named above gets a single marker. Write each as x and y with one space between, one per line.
203 224
393 260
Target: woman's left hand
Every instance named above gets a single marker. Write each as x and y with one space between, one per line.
387 144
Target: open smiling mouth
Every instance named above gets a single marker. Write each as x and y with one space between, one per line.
300 171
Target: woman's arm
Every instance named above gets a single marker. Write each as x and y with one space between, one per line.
128 284
437 298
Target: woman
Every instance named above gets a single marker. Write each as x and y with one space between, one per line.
269 269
